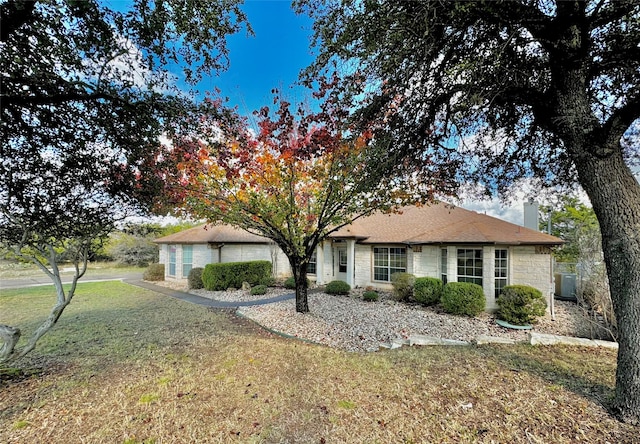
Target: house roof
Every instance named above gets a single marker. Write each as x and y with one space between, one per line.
435 224
440 224
215 234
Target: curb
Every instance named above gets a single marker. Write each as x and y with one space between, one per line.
534 339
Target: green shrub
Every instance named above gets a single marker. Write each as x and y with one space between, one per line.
520 304
195 278
337 287
370 295
232 274
259 289
463 298
428 290
403 286
268 281
290 283
154 272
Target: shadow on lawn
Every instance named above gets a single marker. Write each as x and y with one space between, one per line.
580 370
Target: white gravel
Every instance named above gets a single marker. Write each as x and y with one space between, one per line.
349 323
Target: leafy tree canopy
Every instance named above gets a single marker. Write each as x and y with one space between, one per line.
570 220
85 99
489 79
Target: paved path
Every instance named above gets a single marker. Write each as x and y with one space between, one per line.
40 280
194 299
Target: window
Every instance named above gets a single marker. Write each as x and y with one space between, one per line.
501 270
388 260
312 267
443 265
470 265
342 261
187 259
172 260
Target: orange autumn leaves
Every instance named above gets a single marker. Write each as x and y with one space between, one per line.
285 175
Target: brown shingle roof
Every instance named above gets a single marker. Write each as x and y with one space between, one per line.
441 223
436 224
216 234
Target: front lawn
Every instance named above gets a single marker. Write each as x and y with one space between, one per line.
126 365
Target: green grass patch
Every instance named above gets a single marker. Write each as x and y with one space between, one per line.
20 425
148 398
128 365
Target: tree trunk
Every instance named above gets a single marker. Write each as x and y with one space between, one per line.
9 336
299 268
615 196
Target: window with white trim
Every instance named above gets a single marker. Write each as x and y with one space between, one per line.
172 260
470 265
443 265
501 270
187 259
312 266
388 260
342 261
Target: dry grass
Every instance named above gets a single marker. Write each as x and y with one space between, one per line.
129 366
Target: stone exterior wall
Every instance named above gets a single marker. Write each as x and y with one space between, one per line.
204 254
426 261
163 254
531 266
363 265
257 252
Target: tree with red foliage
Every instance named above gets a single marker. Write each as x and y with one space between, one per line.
298 178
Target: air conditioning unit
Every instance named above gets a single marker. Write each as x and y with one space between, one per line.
565 286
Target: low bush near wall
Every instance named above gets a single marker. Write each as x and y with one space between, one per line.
216 277
370 296
337 287
403 286
195 278
520 304
258 289
463 298
154 272
428 290
290 283
268 281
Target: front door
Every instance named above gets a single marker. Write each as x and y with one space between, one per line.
341 263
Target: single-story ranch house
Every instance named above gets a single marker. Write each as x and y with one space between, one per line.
440 240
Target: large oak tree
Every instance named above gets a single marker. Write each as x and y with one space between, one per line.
521 88
85 97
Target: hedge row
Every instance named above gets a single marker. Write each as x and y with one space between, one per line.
221 276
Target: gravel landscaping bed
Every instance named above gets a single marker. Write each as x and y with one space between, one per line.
349 323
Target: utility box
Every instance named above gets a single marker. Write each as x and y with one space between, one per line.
565 286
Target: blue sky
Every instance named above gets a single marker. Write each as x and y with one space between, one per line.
272 58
